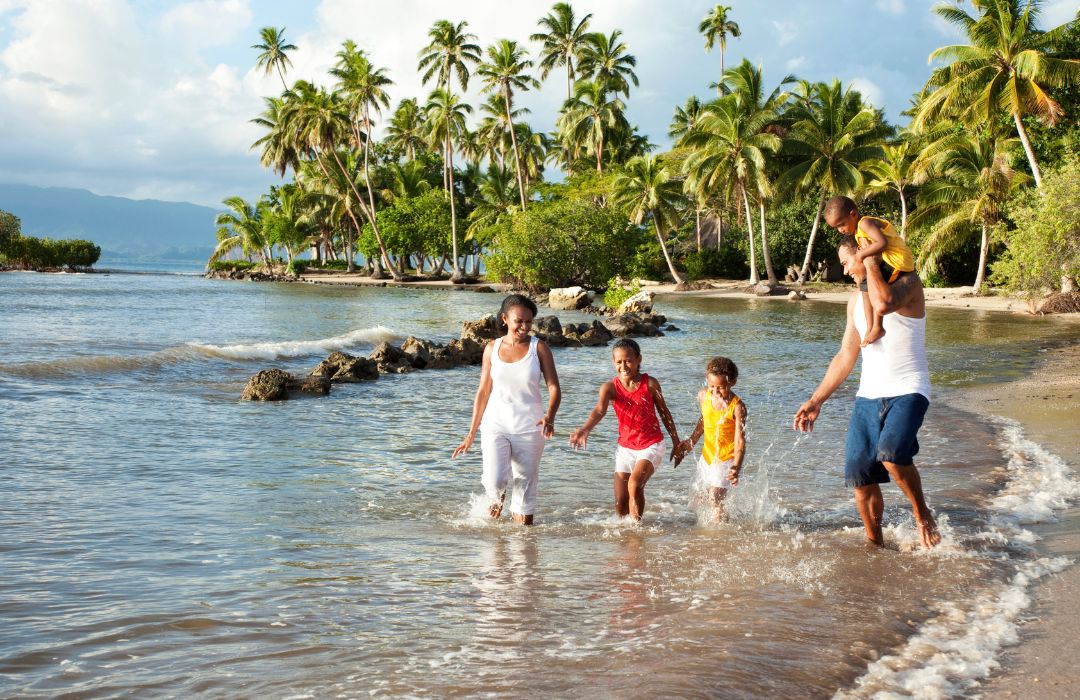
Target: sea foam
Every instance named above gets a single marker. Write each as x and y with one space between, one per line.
296 348
957 648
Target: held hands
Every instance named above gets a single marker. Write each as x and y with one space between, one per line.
464 446
805 417
579 438
680 450
547 426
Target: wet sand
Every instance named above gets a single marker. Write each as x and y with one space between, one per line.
1047 402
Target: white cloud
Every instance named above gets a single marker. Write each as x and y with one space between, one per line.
891 7
785 31
207 22
796 63
870 90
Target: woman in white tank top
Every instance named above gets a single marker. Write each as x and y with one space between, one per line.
509 411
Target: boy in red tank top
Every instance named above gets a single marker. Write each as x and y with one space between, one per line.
637 399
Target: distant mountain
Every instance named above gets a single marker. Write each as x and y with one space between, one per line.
124 228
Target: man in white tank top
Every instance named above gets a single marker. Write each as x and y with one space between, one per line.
894 393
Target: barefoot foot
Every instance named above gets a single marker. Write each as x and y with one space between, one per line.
872 336
495 509
929 535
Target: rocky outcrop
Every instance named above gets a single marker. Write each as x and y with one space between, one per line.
341 367
568 298
762 289
277 384
640 303
419 354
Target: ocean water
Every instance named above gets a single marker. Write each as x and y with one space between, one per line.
161 538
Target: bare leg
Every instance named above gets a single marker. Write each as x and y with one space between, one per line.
908 479
874 330
622 494
495 509
522 519
638 478
871 507
716 499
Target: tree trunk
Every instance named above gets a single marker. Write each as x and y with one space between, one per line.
980 274
599 154
513 141
769 272
903 214
455 276
697 227
1036 173
569 76
369 215
663 246
720 83
754 277
720 227
805 271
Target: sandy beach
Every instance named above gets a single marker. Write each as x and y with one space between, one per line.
1046 402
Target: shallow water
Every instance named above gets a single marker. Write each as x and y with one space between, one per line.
162 538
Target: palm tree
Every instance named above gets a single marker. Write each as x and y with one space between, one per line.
446 122
240 227
319 123
685 118
831 136
972 179
495 199
895 172
605 60
563 42
492 134
504 71
363 88
646 188
449 53
405 131
275 53
588 117
407 180
534 147
717 27
1006 68
278 152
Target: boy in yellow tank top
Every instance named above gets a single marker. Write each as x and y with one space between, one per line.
723 423
873 236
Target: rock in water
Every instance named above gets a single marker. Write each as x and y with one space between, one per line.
342 367
796 295
549 325
640 303
762 289
267 385
481 331
568 298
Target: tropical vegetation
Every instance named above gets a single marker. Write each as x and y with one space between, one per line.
435 185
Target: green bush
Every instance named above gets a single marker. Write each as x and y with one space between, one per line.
31 252
562 242
230 265
729 262
296 267
412 225
616 293
9 227
1044 246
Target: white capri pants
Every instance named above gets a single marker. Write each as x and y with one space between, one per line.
512 457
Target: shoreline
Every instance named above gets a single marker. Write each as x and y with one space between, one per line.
835 293
1045 403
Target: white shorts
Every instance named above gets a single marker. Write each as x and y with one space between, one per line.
513 457
714 476
626 459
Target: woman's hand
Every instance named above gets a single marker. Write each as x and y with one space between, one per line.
547 426
464 446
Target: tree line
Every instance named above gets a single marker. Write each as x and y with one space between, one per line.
32 253
740 192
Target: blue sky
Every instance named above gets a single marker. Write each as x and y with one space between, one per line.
152 99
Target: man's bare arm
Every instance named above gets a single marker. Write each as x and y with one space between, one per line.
904 295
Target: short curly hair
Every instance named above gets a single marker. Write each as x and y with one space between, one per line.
722 367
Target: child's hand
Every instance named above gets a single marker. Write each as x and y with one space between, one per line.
464 446
680 451
733 474
579 438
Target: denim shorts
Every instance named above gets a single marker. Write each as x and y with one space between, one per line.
882 430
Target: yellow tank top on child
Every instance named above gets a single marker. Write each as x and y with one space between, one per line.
896 253
719 425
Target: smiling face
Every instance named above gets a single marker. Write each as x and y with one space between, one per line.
853 267
627 363
518 322
718 386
